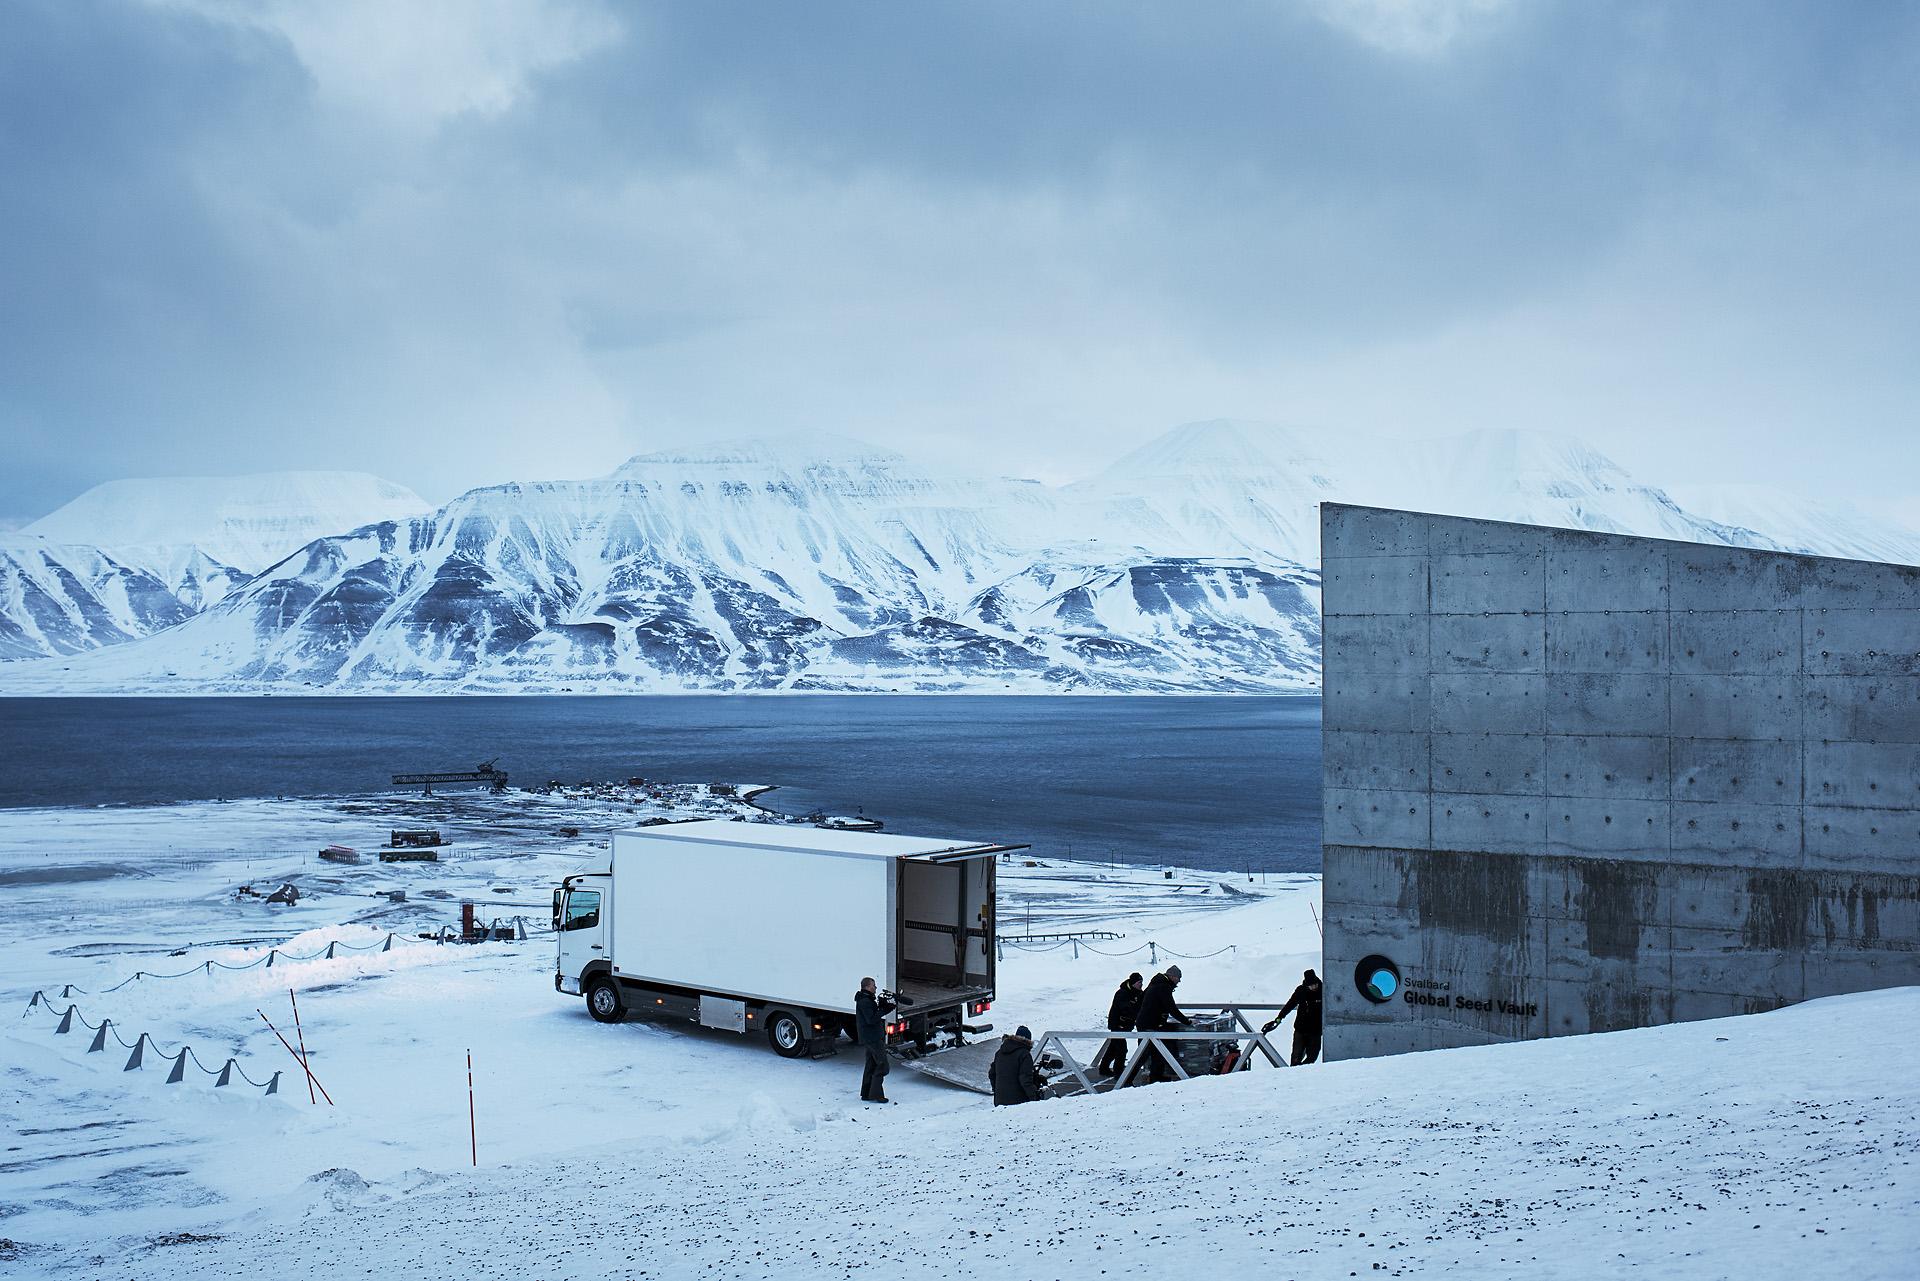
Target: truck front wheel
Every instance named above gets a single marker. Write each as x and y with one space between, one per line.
786 1034
603 1001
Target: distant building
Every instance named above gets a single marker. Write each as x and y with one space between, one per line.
1576 782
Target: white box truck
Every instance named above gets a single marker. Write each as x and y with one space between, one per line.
768 928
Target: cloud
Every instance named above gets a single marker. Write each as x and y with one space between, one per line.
1415 28
416 63
502 240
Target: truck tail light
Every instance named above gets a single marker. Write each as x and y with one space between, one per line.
979 1007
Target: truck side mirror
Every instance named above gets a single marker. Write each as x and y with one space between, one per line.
556 909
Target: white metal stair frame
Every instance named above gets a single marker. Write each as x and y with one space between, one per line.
1248 1035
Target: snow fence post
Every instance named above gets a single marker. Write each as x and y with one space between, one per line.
473 1130
330 948
1153 953
226 1074
133 1060
297 1031
31 1002
66 1021
100 1037
179 1072
273 1086
270 952
388 945
66 993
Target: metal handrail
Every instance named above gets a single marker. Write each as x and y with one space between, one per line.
1248 1034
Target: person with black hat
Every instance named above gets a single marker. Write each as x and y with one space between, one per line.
1120 1014
1157 1010
1012 1074
1304 1005
870 1012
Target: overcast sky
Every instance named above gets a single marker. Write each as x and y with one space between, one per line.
462 241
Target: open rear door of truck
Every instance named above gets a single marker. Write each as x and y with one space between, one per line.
945 925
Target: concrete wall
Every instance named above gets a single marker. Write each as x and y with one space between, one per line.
1580 781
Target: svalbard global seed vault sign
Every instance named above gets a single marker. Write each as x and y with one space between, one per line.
1576 782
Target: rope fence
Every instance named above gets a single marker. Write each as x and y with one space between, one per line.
446 934
223 1075
1154 950
230 1069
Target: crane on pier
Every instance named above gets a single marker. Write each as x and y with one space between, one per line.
485 772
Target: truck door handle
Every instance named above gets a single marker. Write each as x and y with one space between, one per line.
596 947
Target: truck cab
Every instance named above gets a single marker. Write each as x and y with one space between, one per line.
578 924
766 928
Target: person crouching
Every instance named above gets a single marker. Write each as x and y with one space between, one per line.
1012 1074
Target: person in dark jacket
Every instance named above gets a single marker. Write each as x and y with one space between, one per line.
870 1029
1012 1073
1157 1010
1120 1015
1304 1005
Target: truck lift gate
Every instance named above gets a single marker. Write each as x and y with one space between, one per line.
964 1065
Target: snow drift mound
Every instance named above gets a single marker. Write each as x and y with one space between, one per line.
1776 1145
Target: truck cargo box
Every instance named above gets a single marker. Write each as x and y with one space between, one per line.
795 915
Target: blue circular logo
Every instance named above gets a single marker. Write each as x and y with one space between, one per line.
1377 978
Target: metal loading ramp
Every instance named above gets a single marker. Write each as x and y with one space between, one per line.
964 1065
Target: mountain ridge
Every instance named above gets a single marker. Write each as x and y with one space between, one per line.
86 575
820 563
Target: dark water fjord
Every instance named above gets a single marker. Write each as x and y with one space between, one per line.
1226 783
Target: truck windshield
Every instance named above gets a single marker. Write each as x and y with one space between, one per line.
583 910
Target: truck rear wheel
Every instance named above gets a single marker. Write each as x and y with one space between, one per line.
786 1034
603 1001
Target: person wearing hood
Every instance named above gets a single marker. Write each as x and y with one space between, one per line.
1012 1073
1120 1016
1157 1011
1304 1005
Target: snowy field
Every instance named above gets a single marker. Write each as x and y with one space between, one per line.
1773 1146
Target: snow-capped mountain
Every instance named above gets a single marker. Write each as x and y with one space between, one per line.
66 600
1797 524
242 522
823 564
1226 486
94 572
753 565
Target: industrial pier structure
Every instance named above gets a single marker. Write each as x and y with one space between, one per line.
1576 782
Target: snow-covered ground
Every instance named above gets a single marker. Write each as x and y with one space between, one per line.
1767 1146
107 1160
